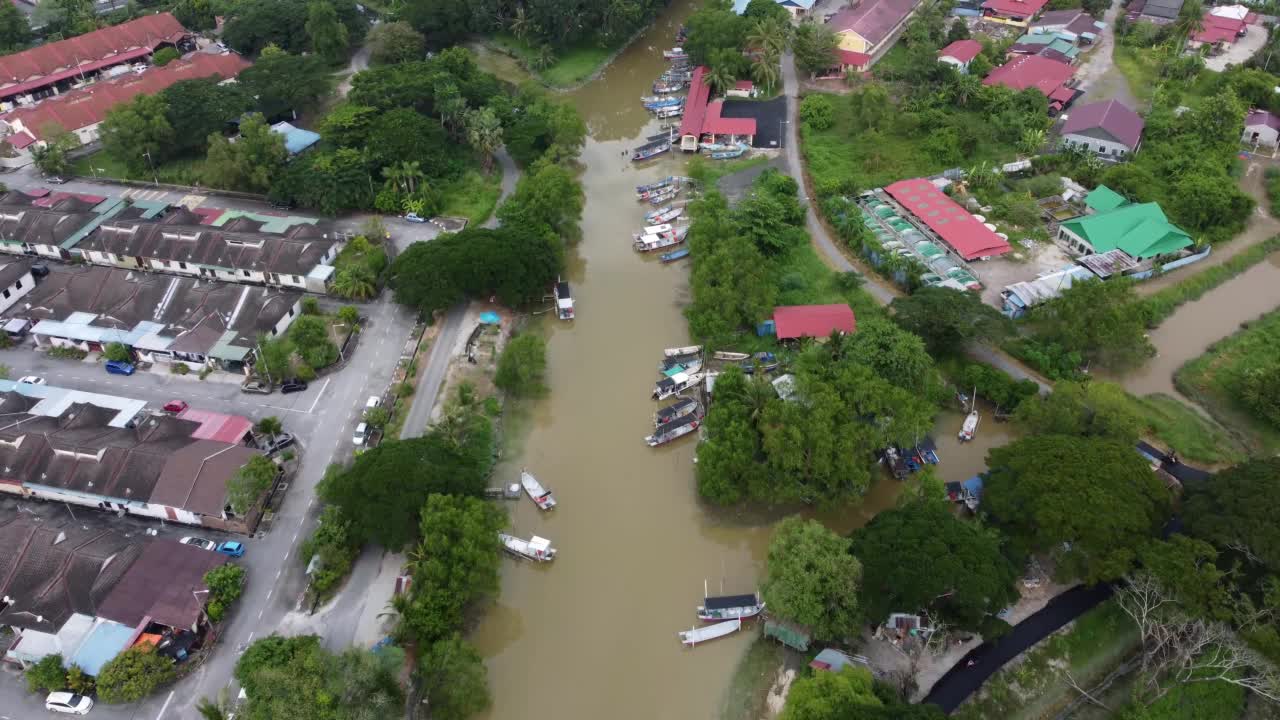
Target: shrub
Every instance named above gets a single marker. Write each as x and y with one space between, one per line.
521 367
117 352
404 389
164 56
310 306
225 583
78 681
816 110
179 368
133 675
47 675
68 353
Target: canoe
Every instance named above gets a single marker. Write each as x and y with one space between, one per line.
731 356
678 351
710 632
674 255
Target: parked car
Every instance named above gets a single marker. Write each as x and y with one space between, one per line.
278 443
361 434
68 703
176 406
199 542
414 218
39 270
31 380
231 548
256 386
373 402
54 180
118 367
293 385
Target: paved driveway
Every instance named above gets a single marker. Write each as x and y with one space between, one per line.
1239 51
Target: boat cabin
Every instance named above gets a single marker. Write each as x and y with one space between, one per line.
564 301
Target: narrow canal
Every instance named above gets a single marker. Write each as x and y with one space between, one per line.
593 635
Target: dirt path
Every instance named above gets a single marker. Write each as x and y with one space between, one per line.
1099 77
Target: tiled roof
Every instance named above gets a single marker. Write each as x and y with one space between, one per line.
1034 71
1262 117
165 584
1112 116
962 50
715 123
852 58
873 20
695 105
46 64
1215 28
89 105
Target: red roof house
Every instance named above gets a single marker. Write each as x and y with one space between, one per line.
1218 29
955 225
1048 76
815 321
962 51
42 66
81 110
1018 11
703 118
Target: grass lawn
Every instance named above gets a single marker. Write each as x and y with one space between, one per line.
180 171
1195 438
572 65
472 196
1214 380
1140 68
1090 648
802 278
708 172
874 159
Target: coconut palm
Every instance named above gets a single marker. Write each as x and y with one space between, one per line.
355 283
964 88
404 175
765 70
1031 141
269 426
484 132
519 23
720 78
769 36
542 58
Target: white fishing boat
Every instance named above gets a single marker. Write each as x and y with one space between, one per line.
536 548
673 53
729 607
690 365
653 230
669 112
678 383
970 426
649 243
665 194
673 430
664 215
730 356
710 632
679 351
541 496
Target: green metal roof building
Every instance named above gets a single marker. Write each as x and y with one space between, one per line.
1141 230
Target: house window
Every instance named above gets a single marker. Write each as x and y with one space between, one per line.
182 265
297 279
246 273
6 294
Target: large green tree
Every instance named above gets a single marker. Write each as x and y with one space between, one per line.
195 15
134 674
1233 510
1094 409
453 678
956 569
52 157
455 563
295 678
813 579
1101 320
328 35
283 82
198 108
248 484
548 194
1088 502
138 133
253 25
522 365
395 42
252 162
815 47
948 320
15 31
384 490
831 695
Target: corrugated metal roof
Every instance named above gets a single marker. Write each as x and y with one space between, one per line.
105 641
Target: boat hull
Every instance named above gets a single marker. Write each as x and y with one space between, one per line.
730 613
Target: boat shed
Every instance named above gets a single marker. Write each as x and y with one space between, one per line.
814 321
796 637
835 661
956 227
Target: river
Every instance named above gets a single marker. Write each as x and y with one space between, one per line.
593 634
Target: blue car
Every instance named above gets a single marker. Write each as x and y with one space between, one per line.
116 367
231 548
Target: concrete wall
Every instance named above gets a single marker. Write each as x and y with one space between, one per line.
1106 149
287 320
16 291
1261 134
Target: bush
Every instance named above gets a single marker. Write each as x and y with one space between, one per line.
68 353
179 368
522 365
404 389
993 628
134 674
225 583
310 306
78 681
47 675
816 110
336 549
117 352
164 56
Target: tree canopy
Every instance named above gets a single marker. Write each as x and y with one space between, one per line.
138 132
395 42
283 82
1089 502
255 24
15 32
252 162
199 108
557 24
1101 320
295 678
813 579
522 365
920 556
1233 510
830 695
134 674
1093 409
948 320
453 678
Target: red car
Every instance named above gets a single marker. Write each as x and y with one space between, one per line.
176 406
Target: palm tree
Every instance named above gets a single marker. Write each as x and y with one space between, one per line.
210 710
355 283
769 36
543 57
1031 141
484 131
270 426
765 70
964 88
411 173
519 23
720 78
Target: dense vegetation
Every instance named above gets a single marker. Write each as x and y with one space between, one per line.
813 579
296 677
1238 380
555 25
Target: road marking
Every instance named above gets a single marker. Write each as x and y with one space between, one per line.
260 613
295 535
166 704
269 593
322 389
278 573
286 552
250 642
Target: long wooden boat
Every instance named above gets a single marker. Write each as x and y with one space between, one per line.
731 154
674 255
730 607
651 152
710 632
541 496
669 112
683 350
667 86
664 102
688 366
673 53
664 195
667 181
673 430
676 410
730 356
656 98
670 386
663 215
536 548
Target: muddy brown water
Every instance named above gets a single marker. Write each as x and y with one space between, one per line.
593 635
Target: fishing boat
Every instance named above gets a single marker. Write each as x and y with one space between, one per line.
729 607
653 230
673 430
669 386
664 102
649 243
564 300
731 154
667 86
970 426
675 352
663 215
676 75
689 366
676 410
710 632
646 153
655 98
766 361
647 192
670 362
536 548
669 112
541 496
730 356
673 53
674 255
663 195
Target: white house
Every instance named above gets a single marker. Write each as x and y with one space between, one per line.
1261 128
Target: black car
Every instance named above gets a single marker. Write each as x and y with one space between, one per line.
280 442
39 270
292 386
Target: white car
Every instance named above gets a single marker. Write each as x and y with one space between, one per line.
68 703
31 380
373 402
361 434
199 542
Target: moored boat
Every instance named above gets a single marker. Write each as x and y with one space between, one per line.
667 86
653 230
673 430
650 152
664 182
649 243
536 548
730 607
970 427
766 361
541 496
663 215
663 195
688 366
664 102
731 356
564 300
669 112
685 350
669 386
731 154
710 632
674 255
677 409
675 52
